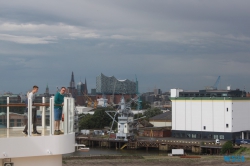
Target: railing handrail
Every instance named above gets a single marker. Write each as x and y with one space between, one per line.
24 105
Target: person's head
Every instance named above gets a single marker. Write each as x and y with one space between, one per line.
35 89
63 89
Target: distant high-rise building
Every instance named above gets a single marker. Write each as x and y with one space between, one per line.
157 91
93 91
110 85
82 88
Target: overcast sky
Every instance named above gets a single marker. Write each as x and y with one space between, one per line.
166 43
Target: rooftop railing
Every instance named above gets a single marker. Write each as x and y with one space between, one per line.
68 110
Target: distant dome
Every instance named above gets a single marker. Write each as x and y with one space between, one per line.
80 83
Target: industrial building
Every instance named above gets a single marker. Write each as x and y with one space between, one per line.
162 120
210 114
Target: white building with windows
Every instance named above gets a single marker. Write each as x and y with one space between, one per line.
210 114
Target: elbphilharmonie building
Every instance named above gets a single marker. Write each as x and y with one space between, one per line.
111 85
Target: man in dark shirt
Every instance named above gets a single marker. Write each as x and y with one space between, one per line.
59 99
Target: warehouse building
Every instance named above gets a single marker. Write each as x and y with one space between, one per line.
210 114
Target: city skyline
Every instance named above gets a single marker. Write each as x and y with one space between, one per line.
166 44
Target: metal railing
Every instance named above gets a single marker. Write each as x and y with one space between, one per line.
68 111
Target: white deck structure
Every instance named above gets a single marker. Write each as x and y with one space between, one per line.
47 149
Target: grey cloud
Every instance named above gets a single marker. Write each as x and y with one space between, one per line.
184 44
28 39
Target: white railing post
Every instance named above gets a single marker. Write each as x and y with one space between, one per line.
72 114
8 113
65 112
43 114
51 115
29 122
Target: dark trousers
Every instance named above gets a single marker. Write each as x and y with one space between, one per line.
33 120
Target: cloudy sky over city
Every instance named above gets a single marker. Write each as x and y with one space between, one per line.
165 43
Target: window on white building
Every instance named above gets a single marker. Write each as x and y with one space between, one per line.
226 125
12 123
204 127
215 136
19 122
227 109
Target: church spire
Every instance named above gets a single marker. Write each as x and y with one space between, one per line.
72 82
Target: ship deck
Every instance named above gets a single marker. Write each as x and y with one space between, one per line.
13 132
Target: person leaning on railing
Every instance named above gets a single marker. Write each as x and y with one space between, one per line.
59 98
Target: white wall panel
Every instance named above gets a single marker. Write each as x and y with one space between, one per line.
180 115
219 116
37 146
173 114
196 115
241 115
228 115
207 115
188 115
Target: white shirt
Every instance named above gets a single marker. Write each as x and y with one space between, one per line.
31 96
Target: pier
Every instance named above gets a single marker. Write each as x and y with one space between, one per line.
164 144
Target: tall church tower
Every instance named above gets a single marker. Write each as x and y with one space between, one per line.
72 88
46 94
47 89
72 82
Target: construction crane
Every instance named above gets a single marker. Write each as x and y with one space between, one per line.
216 83
90 102
215 86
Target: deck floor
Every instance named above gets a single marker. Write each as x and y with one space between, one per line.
17 132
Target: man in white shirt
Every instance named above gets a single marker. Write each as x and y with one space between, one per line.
30 95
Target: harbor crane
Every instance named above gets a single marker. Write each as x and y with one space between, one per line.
89 101
215 86
126 123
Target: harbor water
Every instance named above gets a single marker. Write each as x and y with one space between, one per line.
95 151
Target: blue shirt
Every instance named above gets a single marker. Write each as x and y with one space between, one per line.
59 99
